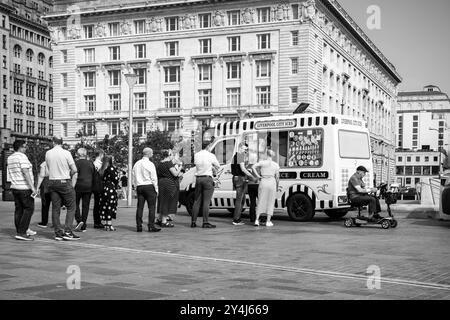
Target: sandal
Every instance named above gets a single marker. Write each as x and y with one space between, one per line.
167 225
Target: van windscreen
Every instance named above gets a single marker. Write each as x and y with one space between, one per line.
354 145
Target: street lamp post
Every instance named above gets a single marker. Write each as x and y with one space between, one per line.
131 80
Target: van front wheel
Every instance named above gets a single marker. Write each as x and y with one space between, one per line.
300 208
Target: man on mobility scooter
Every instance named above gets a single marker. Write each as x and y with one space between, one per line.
360 196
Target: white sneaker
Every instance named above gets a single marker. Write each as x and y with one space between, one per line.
31 232
269 224
256 224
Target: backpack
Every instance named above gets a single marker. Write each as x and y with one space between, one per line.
97 182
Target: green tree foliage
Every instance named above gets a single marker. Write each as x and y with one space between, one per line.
36 154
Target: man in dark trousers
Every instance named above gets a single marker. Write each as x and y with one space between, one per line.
204 162
97 188
20 173
240 180
360 195
146 182
83 188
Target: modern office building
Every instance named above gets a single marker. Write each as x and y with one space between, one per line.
26 80
423 119
199 62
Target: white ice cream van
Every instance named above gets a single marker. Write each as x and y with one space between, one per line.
317 154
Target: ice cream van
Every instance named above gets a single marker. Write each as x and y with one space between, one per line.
317 154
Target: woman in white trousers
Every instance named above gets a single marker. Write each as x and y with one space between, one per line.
269 179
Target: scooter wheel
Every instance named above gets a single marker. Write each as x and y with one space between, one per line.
394 223
348 223
385 224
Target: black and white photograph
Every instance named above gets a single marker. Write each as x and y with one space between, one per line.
224 155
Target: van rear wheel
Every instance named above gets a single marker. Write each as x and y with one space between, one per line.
336 214
300 207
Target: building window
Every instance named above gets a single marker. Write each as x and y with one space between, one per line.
114 78
141 75
18 87
41 92
294 38
140 101
415 118
17 51
4 41
294 95
205 20
233 97
113 29
4 63
427 159
64 129
294 11
205 45
234 44
30 55
5 82
263 15
172 99
234 17
264 41
88 31
400 159
233 70
205 72
114 53
50 113
89 79
114 128
171 125
172 49
140 51
204 98
263 68
5 101
417 159
114 102
30 90
139 127
172 74
89 55
263 95
41 75
50 129
29 71
90 103
139 26
294 65
41 59
172 24
64 56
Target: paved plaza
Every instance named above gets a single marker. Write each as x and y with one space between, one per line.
319 260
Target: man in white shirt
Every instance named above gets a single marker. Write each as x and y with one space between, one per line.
20 173
61 181
204 162
146 183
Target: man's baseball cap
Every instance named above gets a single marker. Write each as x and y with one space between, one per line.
361 168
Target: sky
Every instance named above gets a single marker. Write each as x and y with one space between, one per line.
414 35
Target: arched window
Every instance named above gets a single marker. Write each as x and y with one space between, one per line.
41 58
30 55
17 51
50 62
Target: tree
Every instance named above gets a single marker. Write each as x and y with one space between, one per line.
158 140
36 154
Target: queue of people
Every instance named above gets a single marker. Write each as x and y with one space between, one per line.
65 182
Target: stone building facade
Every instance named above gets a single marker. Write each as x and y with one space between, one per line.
26 110
202 62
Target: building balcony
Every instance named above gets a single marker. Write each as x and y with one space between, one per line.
168 112
111 114
233 110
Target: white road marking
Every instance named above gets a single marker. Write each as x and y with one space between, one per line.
333 274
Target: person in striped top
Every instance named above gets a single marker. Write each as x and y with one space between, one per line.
20 173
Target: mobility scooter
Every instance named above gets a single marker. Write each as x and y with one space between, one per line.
390 197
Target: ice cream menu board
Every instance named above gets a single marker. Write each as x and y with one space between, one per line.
305 148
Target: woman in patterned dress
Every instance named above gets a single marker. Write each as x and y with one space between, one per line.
108 197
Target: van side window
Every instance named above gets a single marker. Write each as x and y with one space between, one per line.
224 150
259 143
